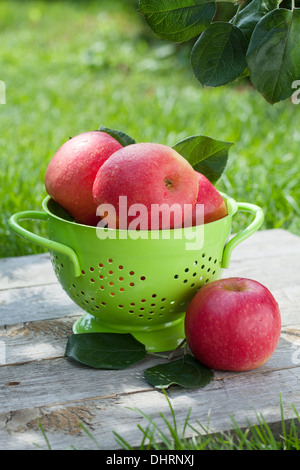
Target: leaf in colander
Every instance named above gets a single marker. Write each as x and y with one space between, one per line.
186 372
105 350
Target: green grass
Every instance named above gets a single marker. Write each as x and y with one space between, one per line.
71 66
166 434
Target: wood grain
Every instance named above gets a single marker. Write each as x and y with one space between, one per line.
39 382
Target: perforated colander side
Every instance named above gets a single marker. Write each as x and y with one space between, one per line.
114 291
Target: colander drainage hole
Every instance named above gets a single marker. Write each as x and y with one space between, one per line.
91 269
176 276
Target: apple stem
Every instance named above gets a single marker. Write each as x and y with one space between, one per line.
175 350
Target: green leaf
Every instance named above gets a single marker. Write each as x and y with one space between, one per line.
274 54
120 136
186 372
219 55
248 18
105 350
178 20
206 155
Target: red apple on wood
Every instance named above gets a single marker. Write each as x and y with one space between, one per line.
154 179
214 205
233 324
71 172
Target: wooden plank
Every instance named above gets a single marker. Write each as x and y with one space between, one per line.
279 273
24 271
37 381
51 301
243 396
35 303
46 339
60 380
268 243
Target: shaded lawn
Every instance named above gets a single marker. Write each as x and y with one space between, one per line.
71 66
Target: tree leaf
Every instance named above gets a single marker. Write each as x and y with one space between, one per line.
178 20
249 16
105 350
186 372
206 155
274 55
120 136
219 55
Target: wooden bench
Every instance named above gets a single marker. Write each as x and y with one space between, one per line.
38 382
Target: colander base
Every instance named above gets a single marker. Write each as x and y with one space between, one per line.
164 337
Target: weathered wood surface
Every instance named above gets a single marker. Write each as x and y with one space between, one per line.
37 381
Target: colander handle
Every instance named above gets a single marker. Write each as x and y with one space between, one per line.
13 223
241 236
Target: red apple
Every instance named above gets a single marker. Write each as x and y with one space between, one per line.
233 324
152 179
71 172
214 205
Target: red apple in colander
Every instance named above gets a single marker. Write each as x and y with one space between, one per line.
158 185
214 207
71 172
233 324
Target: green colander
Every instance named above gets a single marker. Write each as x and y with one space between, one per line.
139 285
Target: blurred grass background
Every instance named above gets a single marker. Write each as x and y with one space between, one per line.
70 66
